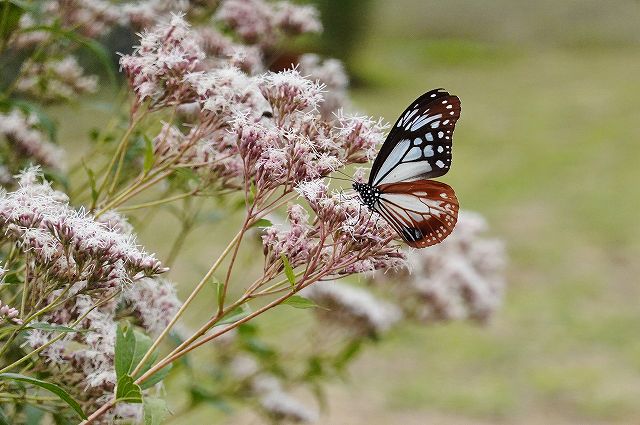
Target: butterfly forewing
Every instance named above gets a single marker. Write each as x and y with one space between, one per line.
419 144
423 212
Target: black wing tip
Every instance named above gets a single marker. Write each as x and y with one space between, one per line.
434 94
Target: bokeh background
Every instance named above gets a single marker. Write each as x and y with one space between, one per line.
548 150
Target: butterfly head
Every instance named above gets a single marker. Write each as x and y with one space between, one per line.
370 195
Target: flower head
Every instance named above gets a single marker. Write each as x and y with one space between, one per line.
23 134
159 65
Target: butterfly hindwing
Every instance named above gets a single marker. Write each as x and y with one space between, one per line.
419 144
423 212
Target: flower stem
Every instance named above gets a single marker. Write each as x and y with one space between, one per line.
159 201
120 151
59 337
188 301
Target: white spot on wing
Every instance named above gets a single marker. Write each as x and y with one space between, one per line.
422 120
395 156
429 137
413 154
428 151
405 171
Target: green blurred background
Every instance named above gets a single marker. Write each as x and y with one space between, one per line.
547 148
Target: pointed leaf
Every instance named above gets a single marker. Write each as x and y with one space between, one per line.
10 15
54 328
148 154
219 292
92 183
263 222
155 411
131 346
124 351
156 377
288 270
64 396
234 315
128 391
298 301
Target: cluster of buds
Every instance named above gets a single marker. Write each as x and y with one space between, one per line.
55 79
157 68
91 18
153 302
89 373
460 278
23 135
66 244
342 239
273 398
356 309
264 23
9 314
332 75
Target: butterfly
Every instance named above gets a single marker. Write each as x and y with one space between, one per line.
418 147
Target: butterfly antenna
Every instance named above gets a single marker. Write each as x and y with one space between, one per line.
340 178
346 175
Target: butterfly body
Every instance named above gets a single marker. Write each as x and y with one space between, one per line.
418 148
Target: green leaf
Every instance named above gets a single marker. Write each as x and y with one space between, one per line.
13 279
347 354
219 291
64 396
92 183
288 270
128 391
3 418
143 343
156 377
299 302
54 328
148 154
61 419
234 315
131 346
97 49
10 16
263 222
124 350
44 121
155 411
33 415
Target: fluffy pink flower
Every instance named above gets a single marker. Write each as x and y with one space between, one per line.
69 245
460 278
28 141
159 65
9 314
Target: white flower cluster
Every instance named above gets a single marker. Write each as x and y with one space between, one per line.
273 398
21 132
66 244
460 278
89 373
355 308
264 23
55 79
